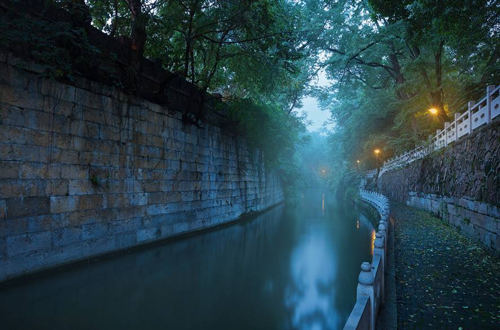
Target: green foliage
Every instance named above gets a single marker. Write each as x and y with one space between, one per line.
95 180
60 46
240 49
390 61
266 127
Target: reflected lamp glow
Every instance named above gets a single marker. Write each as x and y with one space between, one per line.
377 151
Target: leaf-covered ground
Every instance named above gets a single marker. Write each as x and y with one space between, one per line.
443 279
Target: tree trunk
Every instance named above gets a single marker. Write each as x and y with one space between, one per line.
437 94
139 35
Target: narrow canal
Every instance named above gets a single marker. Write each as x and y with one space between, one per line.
293 267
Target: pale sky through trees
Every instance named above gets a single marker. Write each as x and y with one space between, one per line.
312 109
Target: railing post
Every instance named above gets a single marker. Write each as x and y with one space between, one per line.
469 110
378 249
365 288
489 90
446 125
383 232
456 126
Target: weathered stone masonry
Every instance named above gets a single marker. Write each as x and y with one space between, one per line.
85 170
461 184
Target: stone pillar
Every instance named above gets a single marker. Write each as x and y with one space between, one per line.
446 126
365 288
469 110
383 232
378 249
489 90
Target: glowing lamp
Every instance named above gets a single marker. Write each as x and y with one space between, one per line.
433 111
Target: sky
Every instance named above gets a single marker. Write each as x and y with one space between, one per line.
312 109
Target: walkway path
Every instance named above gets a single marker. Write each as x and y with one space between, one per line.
443 280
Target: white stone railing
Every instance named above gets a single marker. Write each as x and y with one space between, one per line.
371 286
477 114
371 174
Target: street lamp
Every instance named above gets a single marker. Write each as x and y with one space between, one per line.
358 161
377 151
433 111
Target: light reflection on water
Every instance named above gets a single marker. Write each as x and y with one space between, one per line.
294 267
313 269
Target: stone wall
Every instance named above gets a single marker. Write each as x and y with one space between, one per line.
86 170
460 183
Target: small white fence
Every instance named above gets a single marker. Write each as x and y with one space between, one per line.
477 114
371 286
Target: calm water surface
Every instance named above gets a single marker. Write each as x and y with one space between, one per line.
294 267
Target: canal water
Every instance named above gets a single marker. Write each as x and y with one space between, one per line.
293 267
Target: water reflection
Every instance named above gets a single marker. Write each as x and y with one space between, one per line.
294 267
313 269
323 206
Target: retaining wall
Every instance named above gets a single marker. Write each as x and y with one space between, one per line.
86 170
461 184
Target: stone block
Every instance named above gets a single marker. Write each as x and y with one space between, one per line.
95 230
138 199
3 249
64 236
3 209
11 134
63 156
56 188
481 207
68 252
494 211
12 227
117 200
126 240
495 242
148 234
181 227
74 172
82 187
102 245
78 218
27 206
488 223
40 223
20 244
167 230
90 202
451 209
21 264
125 226
17 188
10 170
466 203
13 116
61 204
31 170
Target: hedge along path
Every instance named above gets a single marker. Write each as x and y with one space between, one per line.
443 279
